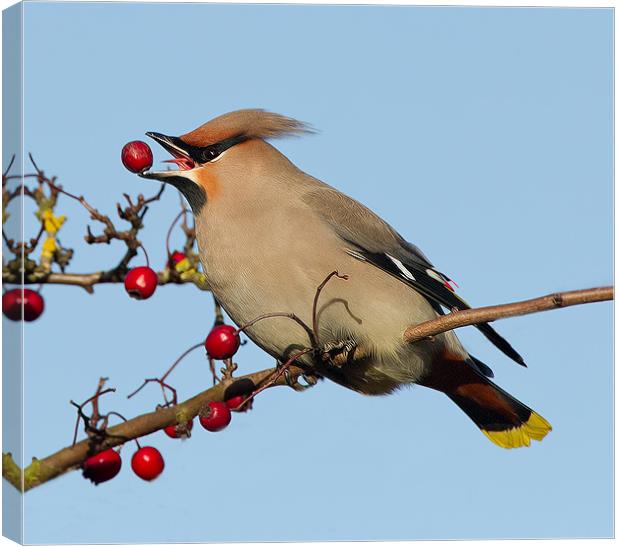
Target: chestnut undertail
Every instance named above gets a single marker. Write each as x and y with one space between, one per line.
503 419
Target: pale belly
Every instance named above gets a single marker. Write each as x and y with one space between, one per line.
371 307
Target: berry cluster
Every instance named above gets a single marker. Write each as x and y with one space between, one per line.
147 462
222 343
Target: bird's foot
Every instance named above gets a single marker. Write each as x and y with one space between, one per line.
307 380
299 382
336 353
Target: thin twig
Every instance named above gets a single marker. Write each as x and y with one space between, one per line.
174 222
80 408
212 369
469 317
176 362
277 374
319 289
36 168
6 171
291 316
95 400
162 380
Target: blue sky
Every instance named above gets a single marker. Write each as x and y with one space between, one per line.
482 135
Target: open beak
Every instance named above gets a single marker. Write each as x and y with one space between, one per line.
181 153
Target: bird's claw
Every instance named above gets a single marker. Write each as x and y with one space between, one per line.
292 380
335 353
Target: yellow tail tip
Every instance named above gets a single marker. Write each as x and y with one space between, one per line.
535 428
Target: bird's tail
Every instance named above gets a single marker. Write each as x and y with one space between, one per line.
502 418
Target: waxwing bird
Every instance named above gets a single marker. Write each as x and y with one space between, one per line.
269 234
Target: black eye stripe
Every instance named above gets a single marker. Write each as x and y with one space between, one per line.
209 153
200 154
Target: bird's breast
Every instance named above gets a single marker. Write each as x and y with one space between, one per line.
274 265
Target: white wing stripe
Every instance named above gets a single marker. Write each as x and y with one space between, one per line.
355 254
406 273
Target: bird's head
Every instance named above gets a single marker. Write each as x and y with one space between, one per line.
203 155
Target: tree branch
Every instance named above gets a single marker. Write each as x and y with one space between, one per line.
70 458
468 317
89 280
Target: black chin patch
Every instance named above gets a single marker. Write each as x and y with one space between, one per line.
195 195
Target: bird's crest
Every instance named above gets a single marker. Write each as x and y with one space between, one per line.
246 123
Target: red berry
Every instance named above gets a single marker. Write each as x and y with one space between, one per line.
137 156
12 304
235 402
102 467
176 257
222 342
141 282
237 393
180 430
215 416
147 463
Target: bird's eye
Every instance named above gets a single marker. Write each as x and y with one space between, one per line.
209 154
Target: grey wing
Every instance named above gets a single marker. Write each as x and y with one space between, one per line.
369 238
355 223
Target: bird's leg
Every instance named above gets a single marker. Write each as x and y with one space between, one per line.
336 353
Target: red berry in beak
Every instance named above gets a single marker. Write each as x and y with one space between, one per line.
180 430
137 156
222 342
12 304
147 463
215 416
102 467
141 282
